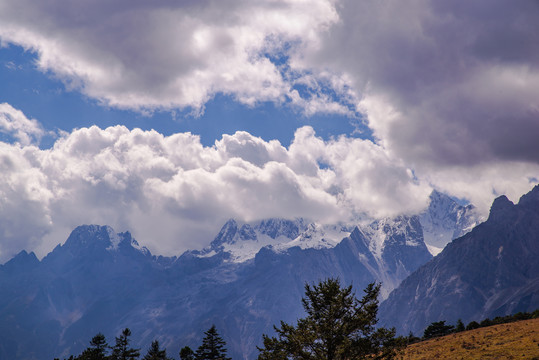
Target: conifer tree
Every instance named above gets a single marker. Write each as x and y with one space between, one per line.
437 328
213 347
338 326
97 350
186 353
155 352
460 326
122 351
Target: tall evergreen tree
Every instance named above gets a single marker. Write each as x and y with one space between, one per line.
155 352
338 326
97 350
213 347
186 353
460 326
122 351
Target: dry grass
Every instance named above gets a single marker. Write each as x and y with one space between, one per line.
518 340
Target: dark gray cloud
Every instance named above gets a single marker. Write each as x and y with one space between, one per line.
461 77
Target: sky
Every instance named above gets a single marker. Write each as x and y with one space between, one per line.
166 118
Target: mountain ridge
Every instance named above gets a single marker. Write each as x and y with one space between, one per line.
490 271
102 281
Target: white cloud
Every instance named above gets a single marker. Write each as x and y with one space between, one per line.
169 54
174 194
15 124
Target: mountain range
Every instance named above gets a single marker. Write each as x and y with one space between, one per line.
491 271
250 277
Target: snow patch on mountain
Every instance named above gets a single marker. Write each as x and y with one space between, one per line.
242 250
445 219
318 236
433 249
115 239
142 249
242 241
389 228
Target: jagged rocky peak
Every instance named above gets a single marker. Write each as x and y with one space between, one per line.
242 241
500 205
445 219
491 271
281 227
22 260
318 236
398 225
530 198
403 230
226 235
100 237
233 231
87 235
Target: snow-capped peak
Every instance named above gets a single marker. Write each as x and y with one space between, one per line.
318 236
392 230
242 241
445 219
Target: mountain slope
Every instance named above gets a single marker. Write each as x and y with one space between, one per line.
517 340
491 271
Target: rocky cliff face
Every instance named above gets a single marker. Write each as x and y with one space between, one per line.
491 271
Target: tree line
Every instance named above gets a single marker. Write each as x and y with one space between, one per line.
440 328
337 326
212 347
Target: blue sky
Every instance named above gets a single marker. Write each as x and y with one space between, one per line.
45 98
331 110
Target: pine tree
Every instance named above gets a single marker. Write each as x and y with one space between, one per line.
473 325
155 353
97 350
460 326
122 351
213 347
338 326
186 353
437 328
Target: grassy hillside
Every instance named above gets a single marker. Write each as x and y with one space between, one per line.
517 340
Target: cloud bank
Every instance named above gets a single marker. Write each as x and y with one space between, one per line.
174 193
449 89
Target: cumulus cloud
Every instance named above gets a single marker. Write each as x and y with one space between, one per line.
174 194
16 125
